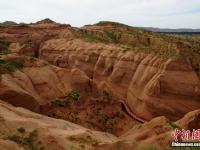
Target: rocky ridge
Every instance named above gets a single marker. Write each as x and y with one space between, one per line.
107 77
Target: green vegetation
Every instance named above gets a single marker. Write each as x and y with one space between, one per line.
27 140
174 126
112 36
9 66
126 49
93 38
32 58
104 120
116 24
72 97
107 124
141 40
185 49
74 147
81 142
21 130
4 46
83 139
60 103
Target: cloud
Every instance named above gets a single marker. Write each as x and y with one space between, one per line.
156 13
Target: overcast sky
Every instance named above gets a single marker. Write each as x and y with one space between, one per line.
148 13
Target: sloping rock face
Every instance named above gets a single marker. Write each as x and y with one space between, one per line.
155 134
26 39
169 88
149 85
37 83
18 124
44 88
190 121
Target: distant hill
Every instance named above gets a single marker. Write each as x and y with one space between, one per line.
45 21
166 30
8 23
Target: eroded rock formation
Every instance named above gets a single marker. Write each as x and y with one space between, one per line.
120 79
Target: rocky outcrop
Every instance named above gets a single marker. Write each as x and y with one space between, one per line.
49 133
149 85
41 87
155 134
57 134
190 121
26 39
143 81
37 83
170 88
80 81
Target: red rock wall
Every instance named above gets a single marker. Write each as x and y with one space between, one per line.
149 85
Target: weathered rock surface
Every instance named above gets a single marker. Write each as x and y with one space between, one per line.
38 85
35 84
155 134
53 134
26 39
123 74
149 85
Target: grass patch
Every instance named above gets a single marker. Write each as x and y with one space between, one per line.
112 36
175 126
85 140
93 38
4 46
29 142
104 120
9 66
74 147
60 103
72 97
125 50
179 48
21 130
82 142
116 24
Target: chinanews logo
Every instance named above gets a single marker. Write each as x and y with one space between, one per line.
186 138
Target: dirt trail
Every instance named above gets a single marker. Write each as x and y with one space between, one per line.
131 114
